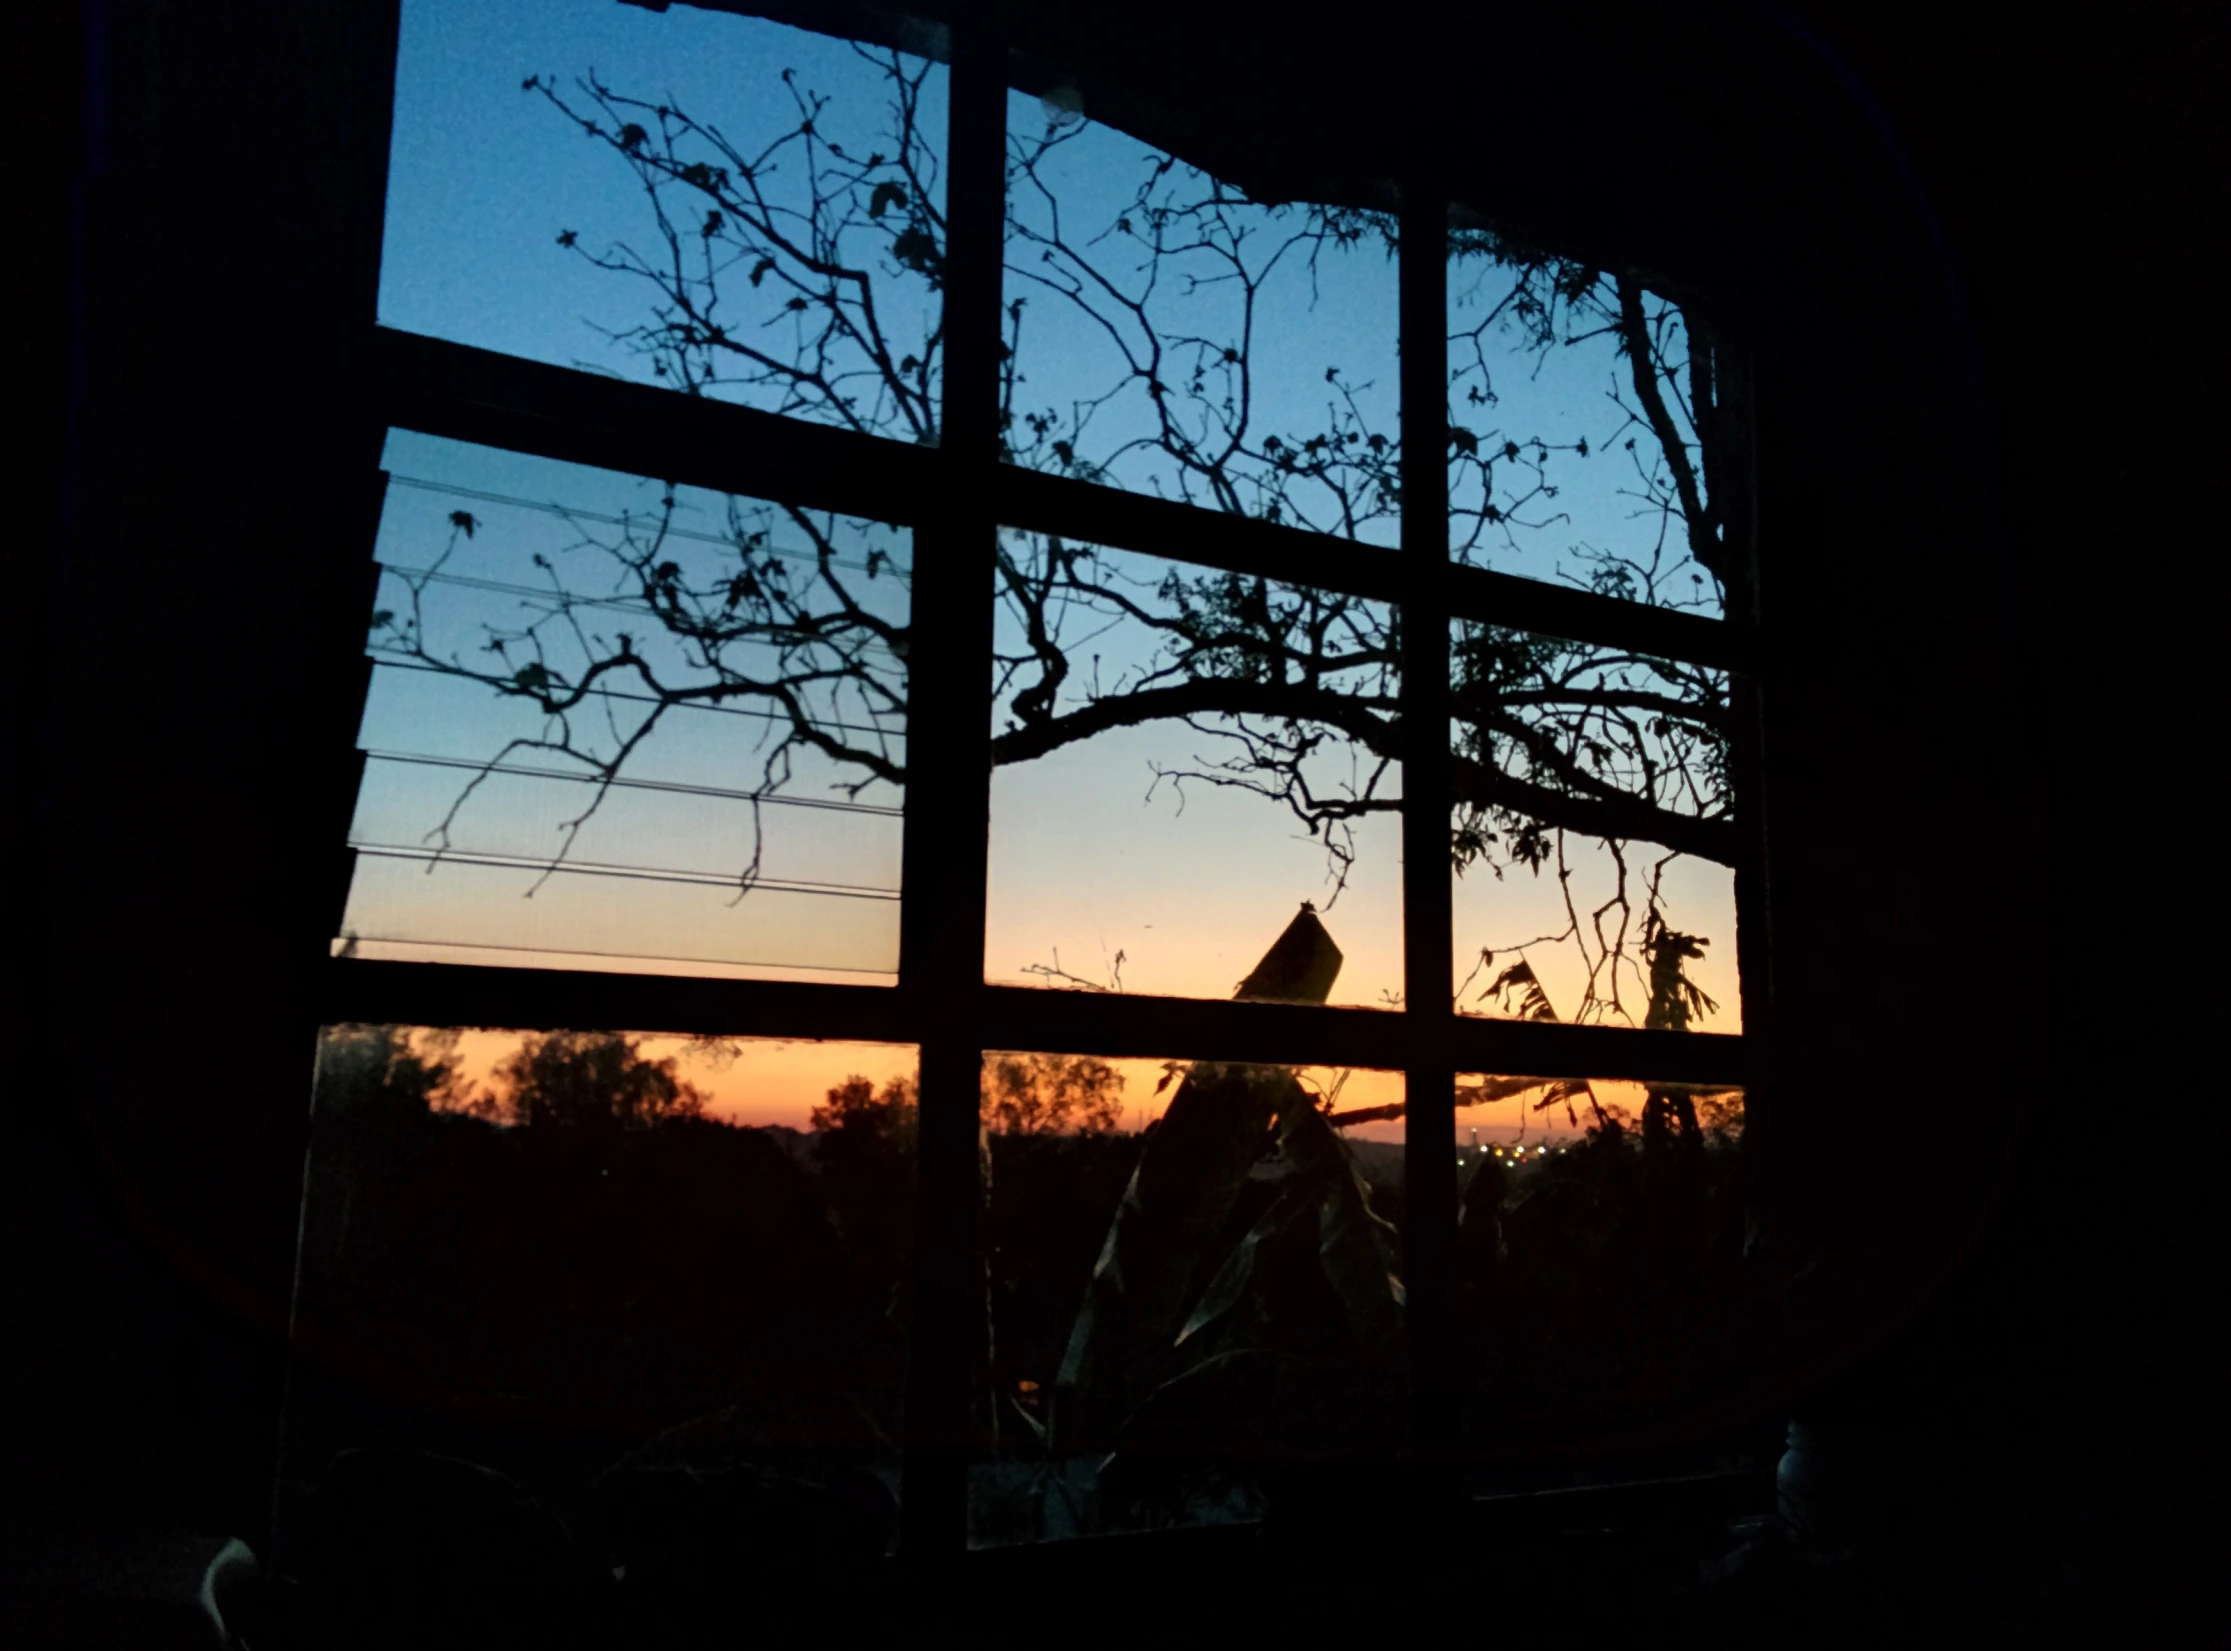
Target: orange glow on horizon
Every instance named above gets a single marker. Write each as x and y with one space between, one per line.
769 1081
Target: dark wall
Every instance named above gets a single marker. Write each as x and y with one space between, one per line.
1963 282
2063 166
219 239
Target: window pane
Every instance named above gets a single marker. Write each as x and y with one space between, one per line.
620 725
652 1282
1169 335
1605 1292
1183 757
1577 448
758 215
1194 1289
1591 840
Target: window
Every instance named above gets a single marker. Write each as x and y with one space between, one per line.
857 498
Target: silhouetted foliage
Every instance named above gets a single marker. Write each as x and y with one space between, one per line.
857 1108
1604 1297
1151 1293
609 1260
386 1071
592 1081
1040 1094
1030 1094
1234 1322
804 277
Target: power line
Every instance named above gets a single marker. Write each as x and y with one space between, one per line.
616 604
466 581
633 957
571 515
405 663
681 786
640 874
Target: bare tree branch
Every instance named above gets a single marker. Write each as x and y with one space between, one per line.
789 276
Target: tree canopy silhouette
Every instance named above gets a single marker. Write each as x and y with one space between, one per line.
1034 1094
387 1072
857 1109
592 1081
1051 1095
804 276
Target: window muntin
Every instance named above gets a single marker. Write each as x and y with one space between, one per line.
603 708
1051 503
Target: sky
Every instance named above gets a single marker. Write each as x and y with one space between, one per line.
1089 857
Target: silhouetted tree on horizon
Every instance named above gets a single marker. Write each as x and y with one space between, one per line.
856 1108
592 1081
1032 1094
388 1071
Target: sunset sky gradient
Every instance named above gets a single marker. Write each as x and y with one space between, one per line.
1089 857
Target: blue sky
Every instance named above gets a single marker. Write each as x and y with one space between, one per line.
1083 864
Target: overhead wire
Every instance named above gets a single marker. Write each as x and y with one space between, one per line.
682 787
383 661
568 513
615 604
345 941
602 868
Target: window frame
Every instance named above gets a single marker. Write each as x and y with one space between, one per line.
955 498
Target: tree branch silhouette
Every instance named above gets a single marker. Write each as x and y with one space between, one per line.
803 276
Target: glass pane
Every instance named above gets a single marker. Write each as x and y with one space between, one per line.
1606 1298
645 1287
1170 335
1182 758
758 215
1195 1290
620 725
1578 404
1591 843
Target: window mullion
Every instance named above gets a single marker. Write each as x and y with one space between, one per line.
1429 1169
948 806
